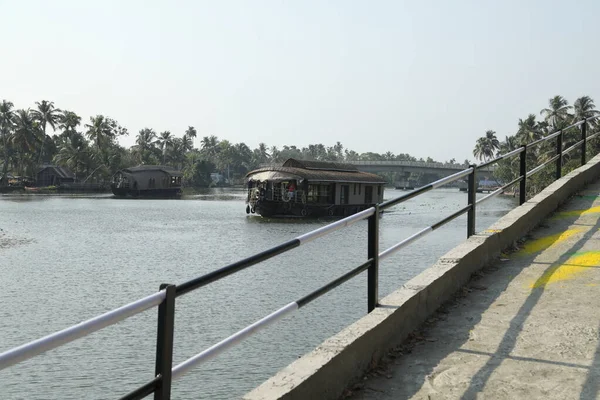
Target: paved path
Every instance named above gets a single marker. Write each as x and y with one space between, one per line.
526 328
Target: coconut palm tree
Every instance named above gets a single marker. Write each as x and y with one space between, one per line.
492 140
176 152
261 155
529 129
45 114
164 142
191 132
6 128
69 121
209 145
99 131
187 143
558 112
26 137
584 107
73 152
145 141
483 149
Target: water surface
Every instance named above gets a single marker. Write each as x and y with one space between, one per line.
66 259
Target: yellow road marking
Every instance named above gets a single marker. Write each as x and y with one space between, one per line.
537 245
574 266
577 213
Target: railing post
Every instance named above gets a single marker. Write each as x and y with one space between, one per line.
164 343
584 144
559 145
471 198
373 253
523 175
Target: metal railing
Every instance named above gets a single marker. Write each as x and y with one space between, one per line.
165 298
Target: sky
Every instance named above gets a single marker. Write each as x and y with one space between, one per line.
420 77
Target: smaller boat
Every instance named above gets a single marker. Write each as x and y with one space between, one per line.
147 181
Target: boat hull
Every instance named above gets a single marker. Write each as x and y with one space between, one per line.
149 193
273 209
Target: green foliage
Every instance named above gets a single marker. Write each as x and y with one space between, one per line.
556 116
91 150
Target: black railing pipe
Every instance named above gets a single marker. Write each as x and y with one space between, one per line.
143 391
471 196
164 343
584 144
559 153
523 175
235 267
333 284
373 254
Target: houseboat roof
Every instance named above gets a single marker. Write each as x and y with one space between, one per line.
315 171
145 168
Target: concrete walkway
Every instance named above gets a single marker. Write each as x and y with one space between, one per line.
526 328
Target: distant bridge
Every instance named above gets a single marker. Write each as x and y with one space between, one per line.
407 167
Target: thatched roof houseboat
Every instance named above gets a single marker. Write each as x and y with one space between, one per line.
311 188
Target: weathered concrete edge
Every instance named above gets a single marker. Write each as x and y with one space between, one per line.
342 359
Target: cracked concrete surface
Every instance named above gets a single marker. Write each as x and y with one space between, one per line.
526 328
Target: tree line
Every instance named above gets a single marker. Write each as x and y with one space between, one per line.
557 116
46 134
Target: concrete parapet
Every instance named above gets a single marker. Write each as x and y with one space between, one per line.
341 360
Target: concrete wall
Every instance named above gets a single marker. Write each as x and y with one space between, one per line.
342 359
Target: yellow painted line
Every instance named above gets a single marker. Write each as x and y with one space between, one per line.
577 213
537 245
575 266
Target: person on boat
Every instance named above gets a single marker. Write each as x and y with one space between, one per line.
291 190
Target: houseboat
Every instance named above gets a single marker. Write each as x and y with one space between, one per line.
311 188
147 181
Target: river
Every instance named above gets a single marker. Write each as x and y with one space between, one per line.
66 259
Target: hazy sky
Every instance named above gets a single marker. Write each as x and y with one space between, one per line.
419 77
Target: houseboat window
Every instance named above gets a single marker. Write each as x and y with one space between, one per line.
344 194
359 187
354 188
319 193
378 190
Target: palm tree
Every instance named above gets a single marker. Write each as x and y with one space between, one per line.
6 127
99 131
492 140
46 114
145 141
176 153
191 132
209 146
68 122
529 129
164 141
187 143
483 150
26 136
261 155
584 107
73 152
558 112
